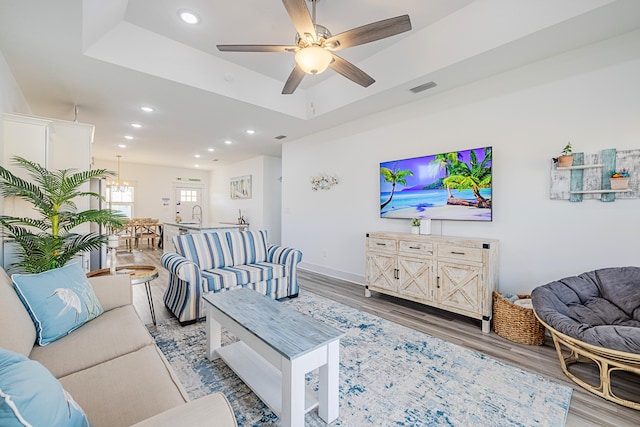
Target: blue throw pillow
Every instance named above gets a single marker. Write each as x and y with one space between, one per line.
58 300
30 395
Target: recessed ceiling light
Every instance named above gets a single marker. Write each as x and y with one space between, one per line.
146 109
129 137
197 166
211 150
188 16
250 131
136 125
228 142
197 156
122 145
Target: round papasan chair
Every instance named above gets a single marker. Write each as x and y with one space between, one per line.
596 316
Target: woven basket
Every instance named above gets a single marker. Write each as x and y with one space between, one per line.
516 323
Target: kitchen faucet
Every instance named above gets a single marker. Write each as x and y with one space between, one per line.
193 214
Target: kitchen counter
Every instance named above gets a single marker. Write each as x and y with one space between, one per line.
172 229
197 227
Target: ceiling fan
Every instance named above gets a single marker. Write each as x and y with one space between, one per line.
315 45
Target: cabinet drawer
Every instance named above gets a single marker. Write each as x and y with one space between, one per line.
460 253
377 244
416 248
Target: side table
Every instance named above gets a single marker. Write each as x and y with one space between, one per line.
139 274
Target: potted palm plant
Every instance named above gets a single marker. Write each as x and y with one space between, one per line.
48 242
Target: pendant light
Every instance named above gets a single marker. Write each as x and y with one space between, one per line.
119 186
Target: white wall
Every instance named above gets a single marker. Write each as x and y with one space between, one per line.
11 101
11 98
590 97
262 210
272 190
155 182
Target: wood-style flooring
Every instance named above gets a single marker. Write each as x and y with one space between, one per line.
586 409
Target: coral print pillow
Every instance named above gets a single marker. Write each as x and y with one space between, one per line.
59 301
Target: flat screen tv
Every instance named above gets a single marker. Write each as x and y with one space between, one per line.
449 186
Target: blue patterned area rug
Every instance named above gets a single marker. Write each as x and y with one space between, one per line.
390 375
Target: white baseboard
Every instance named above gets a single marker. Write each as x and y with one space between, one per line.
353 278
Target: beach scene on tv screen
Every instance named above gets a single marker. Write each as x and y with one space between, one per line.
453 186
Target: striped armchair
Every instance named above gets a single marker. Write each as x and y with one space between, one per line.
223 261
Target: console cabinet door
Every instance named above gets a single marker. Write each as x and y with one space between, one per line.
415 277
460 286
456 274
381 270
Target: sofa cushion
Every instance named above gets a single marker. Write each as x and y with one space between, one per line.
239 275
208 250
248 247
18 331
30 395
127 389
195 412
120 332
58 300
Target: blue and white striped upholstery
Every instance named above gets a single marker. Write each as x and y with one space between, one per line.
290 258
248 247
238 275
184 290
223 261
208 250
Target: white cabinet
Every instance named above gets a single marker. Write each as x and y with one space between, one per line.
54 144
451 273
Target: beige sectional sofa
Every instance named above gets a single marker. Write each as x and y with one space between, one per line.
111 365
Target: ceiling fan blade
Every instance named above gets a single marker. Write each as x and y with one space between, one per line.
255 48
293 81
369 33
301 18
351 72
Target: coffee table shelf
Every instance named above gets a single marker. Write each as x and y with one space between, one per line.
260 376
277 347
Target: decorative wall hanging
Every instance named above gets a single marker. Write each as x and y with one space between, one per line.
241 187
323 182
596 176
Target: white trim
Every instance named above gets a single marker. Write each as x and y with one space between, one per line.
337 274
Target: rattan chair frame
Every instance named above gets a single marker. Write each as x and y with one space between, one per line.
606 359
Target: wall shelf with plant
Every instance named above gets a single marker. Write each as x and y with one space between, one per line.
590 176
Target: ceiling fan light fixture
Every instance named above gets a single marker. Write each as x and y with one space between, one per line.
313 59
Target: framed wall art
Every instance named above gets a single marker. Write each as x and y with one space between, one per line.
241 187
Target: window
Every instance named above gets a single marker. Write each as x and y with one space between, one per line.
121 198
189 196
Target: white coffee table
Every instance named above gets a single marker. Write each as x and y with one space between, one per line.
277 347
